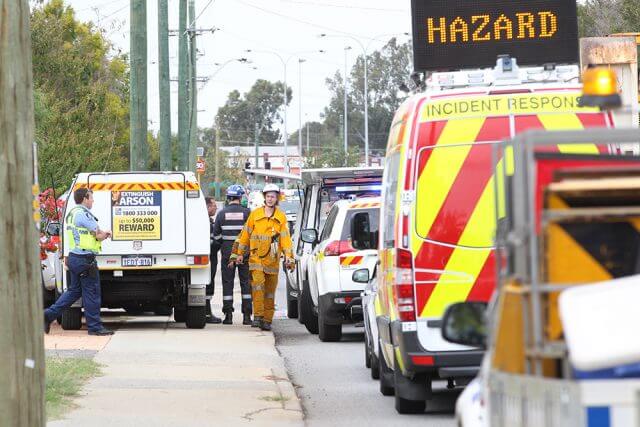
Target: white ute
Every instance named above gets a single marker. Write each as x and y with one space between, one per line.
158 256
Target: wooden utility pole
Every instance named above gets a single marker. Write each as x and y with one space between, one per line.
164 135
193 87
139 150
21 315
183 104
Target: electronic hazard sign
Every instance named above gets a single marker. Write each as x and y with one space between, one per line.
136 215
463 34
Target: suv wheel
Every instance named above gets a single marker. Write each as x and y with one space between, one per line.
71 319
196 317
292 303
310 318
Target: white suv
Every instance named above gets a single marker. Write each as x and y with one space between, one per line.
346 250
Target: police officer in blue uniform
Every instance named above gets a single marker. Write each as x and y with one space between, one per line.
215 247
84 238
229 223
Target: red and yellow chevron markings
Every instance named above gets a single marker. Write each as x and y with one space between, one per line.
455 203
350 260
139 186
364 205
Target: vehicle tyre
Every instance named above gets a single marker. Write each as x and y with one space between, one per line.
196 317
71 319
163 310
310 319
179 315
329 333
406 406
386 376
292 303
375 367
48 297
367 352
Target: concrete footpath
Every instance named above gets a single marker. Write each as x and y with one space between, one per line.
158 373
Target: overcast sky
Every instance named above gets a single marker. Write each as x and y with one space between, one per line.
287 27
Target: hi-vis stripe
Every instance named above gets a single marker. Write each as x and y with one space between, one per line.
364 205
350 260
442 177
139 186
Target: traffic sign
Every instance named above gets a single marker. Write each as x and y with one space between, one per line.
200 165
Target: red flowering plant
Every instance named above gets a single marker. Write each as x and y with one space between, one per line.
50 210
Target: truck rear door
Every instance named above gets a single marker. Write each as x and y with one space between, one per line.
145 212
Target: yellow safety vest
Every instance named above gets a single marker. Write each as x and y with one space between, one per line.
88 240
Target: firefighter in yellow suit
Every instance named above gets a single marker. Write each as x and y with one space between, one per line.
265 236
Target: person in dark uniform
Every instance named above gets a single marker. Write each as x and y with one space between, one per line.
212 208
228 225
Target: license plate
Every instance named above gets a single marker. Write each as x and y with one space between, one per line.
137 261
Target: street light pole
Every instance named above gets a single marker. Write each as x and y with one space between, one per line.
300 62
346 111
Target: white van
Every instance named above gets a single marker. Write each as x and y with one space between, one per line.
158 256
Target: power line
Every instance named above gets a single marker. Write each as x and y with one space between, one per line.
312 24
342 6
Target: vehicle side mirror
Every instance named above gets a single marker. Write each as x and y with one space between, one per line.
53 229
465 323
361 276
309 235
361 231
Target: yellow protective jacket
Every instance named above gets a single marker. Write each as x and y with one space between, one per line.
266 239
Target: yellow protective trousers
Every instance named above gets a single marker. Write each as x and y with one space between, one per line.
263 293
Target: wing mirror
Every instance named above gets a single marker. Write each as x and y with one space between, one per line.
466 323
53 229
361 276
309 235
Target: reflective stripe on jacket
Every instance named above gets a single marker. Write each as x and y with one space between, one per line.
266 239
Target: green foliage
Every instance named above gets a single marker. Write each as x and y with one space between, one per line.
64 379
332 155
604 17
387 69
238 117
81 95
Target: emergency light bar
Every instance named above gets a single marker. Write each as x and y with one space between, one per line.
352 188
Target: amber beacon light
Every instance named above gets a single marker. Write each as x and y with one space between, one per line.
600 89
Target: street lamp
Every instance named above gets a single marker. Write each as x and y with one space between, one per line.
284 62
346 111
300 62
366 84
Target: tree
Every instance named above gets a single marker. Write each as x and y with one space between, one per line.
604 17
21 316
332 155
81 96
261 105
387 69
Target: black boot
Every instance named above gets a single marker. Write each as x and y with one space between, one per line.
213 319
265 326
257 322
228 318
246 319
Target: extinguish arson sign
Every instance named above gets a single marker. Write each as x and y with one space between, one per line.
136 215
462 34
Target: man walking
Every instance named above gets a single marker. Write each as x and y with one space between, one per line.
212 209
265 239
84 238
227 228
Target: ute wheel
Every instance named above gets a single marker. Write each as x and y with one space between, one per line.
179 315
196 317
386 376
406 406
310 319
329 333
292 303
71 319
163 310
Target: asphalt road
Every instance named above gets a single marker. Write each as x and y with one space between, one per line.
334 385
